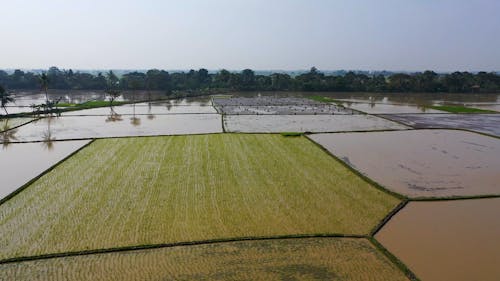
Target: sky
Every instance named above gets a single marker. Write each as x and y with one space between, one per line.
396 35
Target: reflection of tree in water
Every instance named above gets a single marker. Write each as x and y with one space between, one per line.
372 102
113 116
48 138
8 134
168 105
136 121
177 101
151 116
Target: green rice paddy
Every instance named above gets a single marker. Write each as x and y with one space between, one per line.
155 190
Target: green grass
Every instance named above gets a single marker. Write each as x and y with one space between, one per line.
154 190
287 259
460 109
291 134
65 104
90 104
324 99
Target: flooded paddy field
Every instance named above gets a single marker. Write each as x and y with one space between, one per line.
139 191
483 123
307 123
287 259
276 106
263 101
422 163
493 107
27 98
382 108
84 127
421 99
21 162
145 109
447 240
9 123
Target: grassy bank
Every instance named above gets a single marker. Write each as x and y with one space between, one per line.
324 99
460 109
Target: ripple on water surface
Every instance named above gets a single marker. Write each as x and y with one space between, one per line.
21 162
425 163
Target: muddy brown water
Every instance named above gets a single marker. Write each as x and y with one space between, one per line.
428 163
447 240
483 123
82 127
21 162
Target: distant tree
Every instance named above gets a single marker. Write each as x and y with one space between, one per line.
43 79
222 78
5 98
112 87
247 80
281 81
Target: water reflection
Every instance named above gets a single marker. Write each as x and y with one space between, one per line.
151 116
82 127
8 135
386 98
425 163
23 161
483 123
113 116
48 138
26 98
380 108
135 121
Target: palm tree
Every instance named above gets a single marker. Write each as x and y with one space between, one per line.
44 85
112 87
5 98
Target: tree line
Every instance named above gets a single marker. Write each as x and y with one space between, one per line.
248 80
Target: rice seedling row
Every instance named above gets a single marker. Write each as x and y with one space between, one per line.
142 191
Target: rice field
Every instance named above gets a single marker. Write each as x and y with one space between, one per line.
154 190
288 259
307 123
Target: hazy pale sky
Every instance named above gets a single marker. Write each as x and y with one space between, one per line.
443 35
